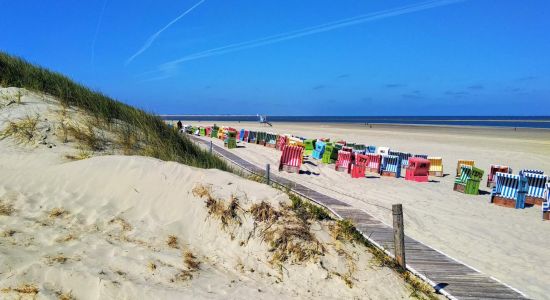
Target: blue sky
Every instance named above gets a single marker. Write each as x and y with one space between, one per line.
473 57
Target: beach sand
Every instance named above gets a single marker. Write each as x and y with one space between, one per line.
508 244
133 227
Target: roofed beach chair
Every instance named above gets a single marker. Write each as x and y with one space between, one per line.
531 171
436 166
390 166
252 136
245 136
281 142
359 149
424 156
208 131
536 185
214 131
374 161
343 163
221 133
230 140
294 141
383 150
241 135
509 190
327 153
202 131
493 171
418 169
546 204
271 140
309 145
359 165
260 138
371 149
468 182
291 159
404 157
461 162
319 150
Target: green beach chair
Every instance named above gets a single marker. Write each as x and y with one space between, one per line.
309 145
202 131
469 180
230 141
214 132
330 155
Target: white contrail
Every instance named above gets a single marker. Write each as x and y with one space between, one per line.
98 26
152 38
313 30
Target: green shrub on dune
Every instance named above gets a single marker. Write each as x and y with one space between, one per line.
160 141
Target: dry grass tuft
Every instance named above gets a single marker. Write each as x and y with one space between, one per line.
172 242
82 154
8 233
264 212
123 223
152 266
183 275
227 215
57 212
68 237
23 131
292 241
6 209
25 288
58 259
65 296
191 261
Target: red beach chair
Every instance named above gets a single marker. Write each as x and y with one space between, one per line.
291 159
281 142
418 169
359 166
491 178
343 163
373 163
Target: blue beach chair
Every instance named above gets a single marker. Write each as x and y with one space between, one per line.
421 156
546 204
391 166
319 150
404 157
509 190
371 149
536 185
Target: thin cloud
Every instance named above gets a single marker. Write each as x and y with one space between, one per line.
98 26
527 78
456 93
343 76
153 37
394 85
313 30
319 87
476 87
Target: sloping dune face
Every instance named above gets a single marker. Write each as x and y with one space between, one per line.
131 227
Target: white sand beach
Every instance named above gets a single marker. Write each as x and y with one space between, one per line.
99 225
511 245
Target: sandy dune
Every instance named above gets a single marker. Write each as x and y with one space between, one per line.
511 245
120 227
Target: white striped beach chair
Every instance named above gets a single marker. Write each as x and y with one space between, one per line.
391 166
382 150
546 204
536 185
509 190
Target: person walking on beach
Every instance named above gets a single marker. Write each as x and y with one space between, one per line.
180 126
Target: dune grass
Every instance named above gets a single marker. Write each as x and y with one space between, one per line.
160 141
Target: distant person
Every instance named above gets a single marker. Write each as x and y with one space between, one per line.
180 126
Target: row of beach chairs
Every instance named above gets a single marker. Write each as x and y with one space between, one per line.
527 188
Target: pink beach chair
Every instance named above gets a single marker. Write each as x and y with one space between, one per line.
343 163
291 159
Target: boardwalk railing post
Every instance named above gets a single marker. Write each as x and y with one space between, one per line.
210 149
399 234
267 174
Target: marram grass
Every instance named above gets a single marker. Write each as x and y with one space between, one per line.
161 141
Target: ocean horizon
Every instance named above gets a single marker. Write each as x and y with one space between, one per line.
482 121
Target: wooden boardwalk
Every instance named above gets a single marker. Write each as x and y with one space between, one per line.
448 276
